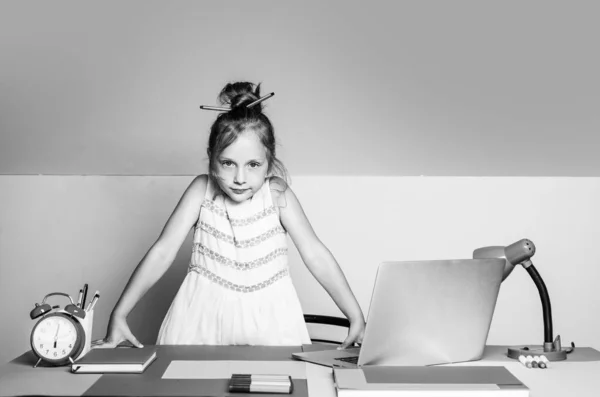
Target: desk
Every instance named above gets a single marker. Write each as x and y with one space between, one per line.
578 376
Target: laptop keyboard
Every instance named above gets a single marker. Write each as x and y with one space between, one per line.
351 359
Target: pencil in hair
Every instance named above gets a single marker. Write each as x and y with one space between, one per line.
217 108
259 100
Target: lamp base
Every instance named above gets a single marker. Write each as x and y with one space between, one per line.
536 350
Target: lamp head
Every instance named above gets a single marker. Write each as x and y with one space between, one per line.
518 253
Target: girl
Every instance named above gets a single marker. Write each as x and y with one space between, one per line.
238 290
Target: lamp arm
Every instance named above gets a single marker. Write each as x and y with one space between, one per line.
539 283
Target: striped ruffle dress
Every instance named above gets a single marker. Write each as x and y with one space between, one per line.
238 289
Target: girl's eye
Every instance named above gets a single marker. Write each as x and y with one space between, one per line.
254 165
226 163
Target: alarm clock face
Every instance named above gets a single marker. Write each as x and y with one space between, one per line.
56 337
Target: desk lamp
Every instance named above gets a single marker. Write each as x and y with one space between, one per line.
520 253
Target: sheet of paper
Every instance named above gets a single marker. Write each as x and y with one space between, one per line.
223 369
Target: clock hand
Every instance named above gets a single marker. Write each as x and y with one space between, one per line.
56 336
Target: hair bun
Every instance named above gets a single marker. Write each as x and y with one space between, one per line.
239 94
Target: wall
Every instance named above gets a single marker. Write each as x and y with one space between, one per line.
494 102
378 88
59 232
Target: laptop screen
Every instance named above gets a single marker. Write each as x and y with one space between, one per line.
428 312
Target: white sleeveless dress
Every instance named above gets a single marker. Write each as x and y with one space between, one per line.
238 289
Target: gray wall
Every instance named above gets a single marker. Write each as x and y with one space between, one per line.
362 88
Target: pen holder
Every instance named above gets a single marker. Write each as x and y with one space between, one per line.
87 324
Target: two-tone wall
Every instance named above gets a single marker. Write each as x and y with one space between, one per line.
413 130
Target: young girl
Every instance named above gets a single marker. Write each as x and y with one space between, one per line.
238 289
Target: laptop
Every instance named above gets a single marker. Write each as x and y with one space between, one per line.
424 313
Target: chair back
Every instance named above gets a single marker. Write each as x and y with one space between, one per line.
327 321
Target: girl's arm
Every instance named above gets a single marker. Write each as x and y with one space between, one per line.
156 261
321 263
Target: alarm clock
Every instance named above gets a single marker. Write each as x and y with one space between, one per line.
58 337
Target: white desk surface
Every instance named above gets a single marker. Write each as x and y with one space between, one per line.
563 378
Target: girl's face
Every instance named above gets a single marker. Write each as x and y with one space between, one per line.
242 167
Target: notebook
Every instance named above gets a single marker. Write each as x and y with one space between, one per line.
118 360
404 381
424 313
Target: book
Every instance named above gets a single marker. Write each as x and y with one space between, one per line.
460 381
118 360
248 383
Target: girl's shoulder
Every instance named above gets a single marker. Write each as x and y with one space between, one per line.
198 187
200 182
278 187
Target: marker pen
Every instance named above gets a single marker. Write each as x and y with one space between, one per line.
545 360
523 360
529 361
85 289
93 302
541 363
79 299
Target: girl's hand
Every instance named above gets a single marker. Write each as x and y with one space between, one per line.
356 334
118 331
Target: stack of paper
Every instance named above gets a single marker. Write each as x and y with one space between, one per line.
463 381
247 383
